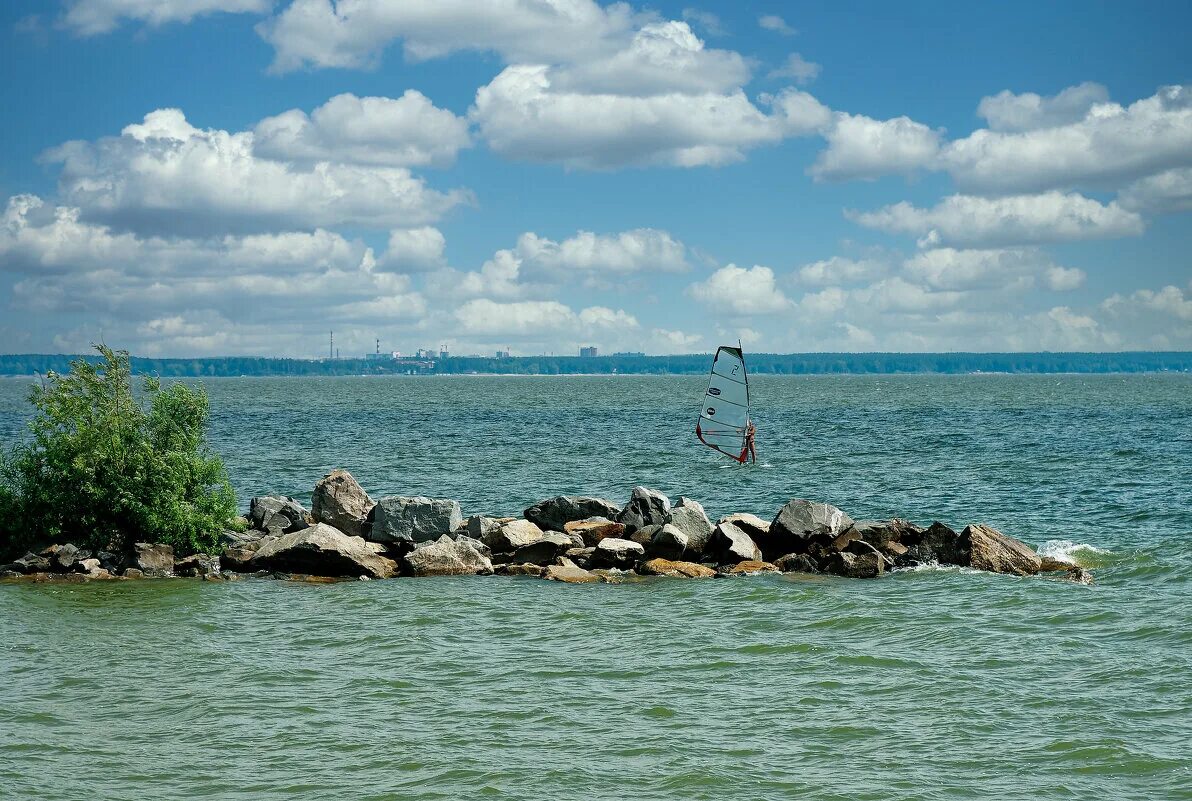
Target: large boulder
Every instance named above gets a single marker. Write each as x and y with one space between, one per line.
618 553
990 549
155 560
322 550
511 535
754 526
554 513
482 527
675 569
646 507
199 564
542 551
447 557
277 514
401 518
340 502
937 543
64 558
479 545
729 545
29 563
853 565
796 563
689 517
668 542
594 529
801 524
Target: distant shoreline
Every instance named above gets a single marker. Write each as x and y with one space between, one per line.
1130 362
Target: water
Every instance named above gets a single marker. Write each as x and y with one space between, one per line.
926 684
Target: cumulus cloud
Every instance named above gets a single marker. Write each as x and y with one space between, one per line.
706 21
797 69
92 17
1167 191
166 175
775 23
408 131
975 222
839 270
1007 111
1064 279
864 148
740 291
534 318
415 250
318 33
949 268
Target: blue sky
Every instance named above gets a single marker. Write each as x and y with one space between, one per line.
207 177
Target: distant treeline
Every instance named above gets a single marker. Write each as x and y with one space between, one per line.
693 364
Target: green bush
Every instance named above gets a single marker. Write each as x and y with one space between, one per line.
105 468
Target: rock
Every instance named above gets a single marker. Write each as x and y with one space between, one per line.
842 541
990 549
414 519
479 546
669 542
936 543
570 575
1079 575
689 517
576 540
890 537
133 573
482 527
277 514
729 545
801 524
544 550
750 567
199 564
643 536
796 563
863 561
580 556
594 529
61 558
754 526
30 563
511 535
154 560
447 557
109 561
1049 564
340 502
646 507
237 559
322 550
665 567
619 553
521 570
554 513
10 574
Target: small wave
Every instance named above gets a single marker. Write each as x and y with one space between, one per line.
1074 553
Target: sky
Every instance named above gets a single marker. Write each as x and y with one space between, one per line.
241 177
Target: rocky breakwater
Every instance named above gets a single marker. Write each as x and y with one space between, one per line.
571 539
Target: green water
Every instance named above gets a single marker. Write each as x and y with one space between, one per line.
924 684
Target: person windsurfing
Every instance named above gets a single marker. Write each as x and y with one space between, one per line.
750 448
724 423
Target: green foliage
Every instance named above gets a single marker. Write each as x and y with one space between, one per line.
106 468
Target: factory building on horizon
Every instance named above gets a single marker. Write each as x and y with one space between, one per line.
588 352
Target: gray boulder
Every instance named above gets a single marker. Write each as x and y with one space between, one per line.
154 560
277 514
478 545
447 557
754 526
481 527
62 558
618 553
670 543
340 502
554 513
937 543
30 563
646 507
729 545
990 549
801 524
511 535
321 550
690 518
796 563
861 560
199 564
399 518
542 551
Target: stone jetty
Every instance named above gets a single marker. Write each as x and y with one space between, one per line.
577 540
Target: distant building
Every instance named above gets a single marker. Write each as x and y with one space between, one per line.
588 352
444 354
502 354
424 353
630 353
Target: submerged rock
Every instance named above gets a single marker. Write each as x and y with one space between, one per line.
554 513
277 514
796 563
447 557
646 507
322 550
990 549
750 567
535 571
153 560
675 569
801 524
729 545
415 519
570 574
340 502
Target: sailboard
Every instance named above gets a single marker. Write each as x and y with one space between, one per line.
724 418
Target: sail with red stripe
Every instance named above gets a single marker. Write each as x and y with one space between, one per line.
724 418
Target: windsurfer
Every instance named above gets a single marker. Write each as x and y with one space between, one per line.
750 430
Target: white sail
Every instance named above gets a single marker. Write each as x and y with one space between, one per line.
725 414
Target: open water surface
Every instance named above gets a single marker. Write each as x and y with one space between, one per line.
928 684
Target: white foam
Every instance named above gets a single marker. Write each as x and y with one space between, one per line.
1068 551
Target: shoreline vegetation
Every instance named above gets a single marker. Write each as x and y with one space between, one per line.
346 535
691 364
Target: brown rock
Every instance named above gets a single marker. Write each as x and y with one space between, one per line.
521 570
594 529
1049 564
796 563
133 573
570 575
751 566
990 549
665 567
155 561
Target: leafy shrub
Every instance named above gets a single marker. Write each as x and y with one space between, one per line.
105 469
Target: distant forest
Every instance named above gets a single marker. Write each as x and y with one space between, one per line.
693 364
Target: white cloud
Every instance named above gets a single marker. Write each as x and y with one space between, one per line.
1109 145
353 33
861 147
415 250
642 249
409 131
839 270
91 17
522 319
1170 300
1167 191
705 20
797 69
966 221
1064 279
775 23
1007 111
166 175
739 291
949 268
